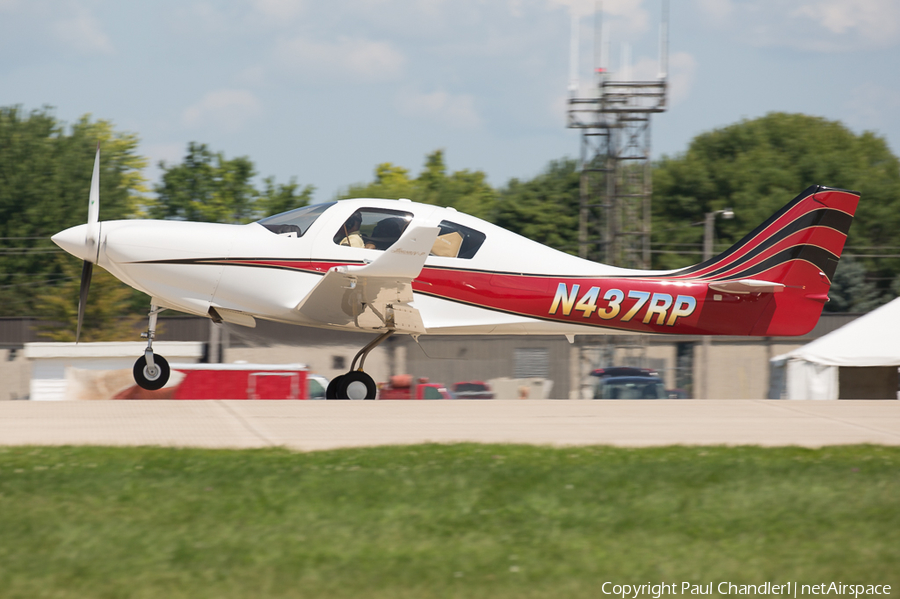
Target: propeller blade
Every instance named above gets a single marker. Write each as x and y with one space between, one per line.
86 271
93 223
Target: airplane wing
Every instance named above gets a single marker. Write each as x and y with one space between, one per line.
743 286
374 295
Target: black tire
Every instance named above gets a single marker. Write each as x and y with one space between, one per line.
355 383
151 381
331 392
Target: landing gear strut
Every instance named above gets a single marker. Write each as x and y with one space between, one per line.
356 384
151 371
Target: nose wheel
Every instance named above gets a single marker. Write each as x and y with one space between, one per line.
151 377
151 372
356 384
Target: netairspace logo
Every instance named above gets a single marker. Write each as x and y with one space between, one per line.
789 589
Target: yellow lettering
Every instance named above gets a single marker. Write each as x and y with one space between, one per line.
615 297
660 303
684 306
642 297
588 303
563 297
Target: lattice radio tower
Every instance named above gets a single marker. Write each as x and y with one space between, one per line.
614 219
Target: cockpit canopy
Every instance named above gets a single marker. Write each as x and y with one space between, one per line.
377 229
295 223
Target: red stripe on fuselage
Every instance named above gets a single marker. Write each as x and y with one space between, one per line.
653 305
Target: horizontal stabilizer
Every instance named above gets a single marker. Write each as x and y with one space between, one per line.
744 286
403 260
374 295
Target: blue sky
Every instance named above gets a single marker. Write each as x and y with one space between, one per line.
324 91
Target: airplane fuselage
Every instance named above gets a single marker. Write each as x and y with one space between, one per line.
506 285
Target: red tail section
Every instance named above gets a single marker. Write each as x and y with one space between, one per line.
790 259
773 282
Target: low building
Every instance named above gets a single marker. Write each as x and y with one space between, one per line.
721 368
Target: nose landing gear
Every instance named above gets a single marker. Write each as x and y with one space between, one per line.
151 372
356 384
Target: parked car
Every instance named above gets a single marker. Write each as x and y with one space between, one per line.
401 386
623 371
316 384
471 390
622 382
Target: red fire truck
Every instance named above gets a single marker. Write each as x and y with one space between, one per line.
234 381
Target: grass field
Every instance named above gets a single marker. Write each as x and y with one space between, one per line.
440 520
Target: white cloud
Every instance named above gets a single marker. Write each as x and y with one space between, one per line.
201 19
628 17
360 58
682 68
718 12
455 110
812 25
877 20
229 109
515 8
83 33
279 9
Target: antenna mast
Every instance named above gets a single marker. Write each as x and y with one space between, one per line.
614 223
573 58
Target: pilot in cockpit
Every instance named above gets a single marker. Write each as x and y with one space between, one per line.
350 230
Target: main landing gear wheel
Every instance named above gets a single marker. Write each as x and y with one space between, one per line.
356 385
331 392
151 378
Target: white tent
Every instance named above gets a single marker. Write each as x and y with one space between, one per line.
872 340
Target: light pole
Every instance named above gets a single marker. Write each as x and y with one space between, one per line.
709 228
708 231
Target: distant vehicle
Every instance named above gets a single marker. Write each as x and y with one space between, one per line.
233 381
401 386
623 371
316 385
630 387
623 382
471 390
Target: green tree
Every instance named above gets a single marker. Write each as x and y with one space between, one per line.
105 316
467 191
45 175
756 166
206 186
391 182
278 197
544 208
850 291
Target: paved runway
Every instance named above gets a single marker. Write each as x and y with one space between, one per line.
312 425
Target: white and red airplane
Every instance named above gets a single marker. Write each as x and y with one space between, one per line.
396 266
